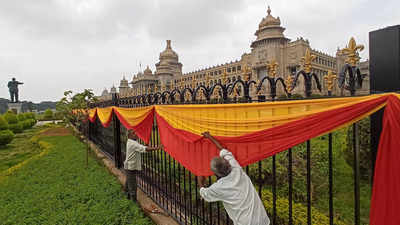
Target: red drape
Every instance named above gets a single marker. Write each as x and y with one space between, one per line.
386 187
143 129
195 152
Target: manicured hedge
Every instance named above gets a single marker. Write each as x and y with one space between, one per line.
16 127
11 118
6 137
21 117
3 123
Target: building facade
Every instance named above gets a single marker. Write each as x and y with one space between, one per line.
270 45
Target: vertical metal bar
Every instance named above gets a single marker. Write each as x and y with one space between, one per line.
174 185
259 178
190 198
218 213
330 180
274 190
165 179
184 195
171 192
117 141
290 186
210 221
356 164
197 200
309 183
203 213
179 193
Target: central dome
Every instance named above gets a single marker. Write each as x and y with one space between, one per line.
168 52
269 20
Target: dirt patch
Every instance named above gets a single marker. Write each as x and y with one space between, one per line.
59 131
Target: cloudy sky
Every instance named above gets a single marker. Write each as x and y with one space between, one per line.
58 45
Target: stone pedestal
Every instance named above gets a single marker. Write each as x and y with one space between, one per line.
16 107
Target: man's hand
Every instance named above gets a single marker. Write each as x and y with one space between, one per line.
201 181
206 134
212 139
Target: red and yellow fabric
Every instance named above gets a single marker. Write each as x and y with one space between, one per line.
254 131
92 114
231 120
139 119
104 115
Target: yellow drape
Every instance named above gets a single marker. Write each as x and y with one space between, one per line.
104 114
133 116
238 119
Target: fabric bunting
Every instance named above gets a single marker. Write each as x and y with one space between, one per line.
255 131
138 119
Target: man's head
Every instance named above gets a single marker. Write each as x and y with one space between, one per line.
13 79
220 167
132 135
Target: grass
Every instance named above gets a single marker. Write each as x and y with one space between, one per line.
20 149
58 189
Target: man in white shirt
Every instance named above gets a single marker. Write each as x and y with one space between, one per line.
133 162
234 189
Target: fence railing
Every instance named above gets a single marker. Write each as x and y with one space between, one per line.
278 179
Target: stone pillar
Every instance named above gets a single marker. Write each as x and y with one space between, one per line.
15 107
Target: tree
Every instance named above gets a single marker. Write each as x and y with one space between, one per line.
75 108
48 114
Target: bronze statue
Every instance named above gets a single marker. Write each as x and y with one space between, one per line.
13 88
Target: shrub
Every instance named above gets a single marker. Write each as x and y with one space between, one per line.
3 124
16 127
29 115
299 211
11 118
21 117
6 137
48 114
26 124
32 121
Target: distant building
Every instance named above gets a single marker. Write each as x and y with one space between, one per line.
270 44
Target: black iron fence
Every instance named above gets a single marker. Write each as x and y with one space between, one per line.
306 184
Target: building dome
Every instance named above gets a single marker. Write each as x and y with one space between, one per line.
168 53
269 28
148 71
269 20
124 83
105 92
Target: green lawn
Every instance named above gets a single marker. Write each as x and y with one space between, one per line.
58 189
20 149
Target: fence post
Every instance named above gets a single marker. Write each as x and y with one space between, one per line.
384 66
117 133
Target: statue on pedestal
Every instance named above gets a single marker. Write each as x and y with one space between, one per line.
13 88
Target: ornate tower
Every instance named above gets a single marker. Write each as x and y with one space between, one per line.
269 44
168 66
123 86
